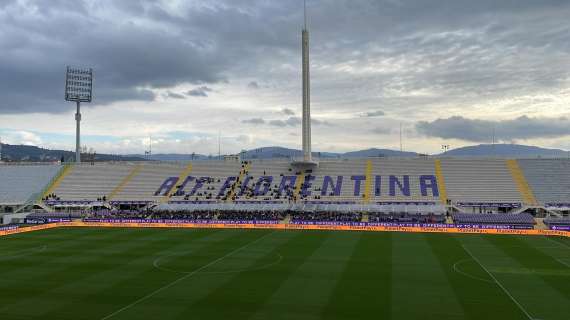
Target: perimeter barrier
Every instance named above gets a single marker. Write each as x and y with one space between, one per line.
281 226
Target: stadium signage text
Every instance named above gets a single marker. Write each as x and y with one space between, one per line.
389 185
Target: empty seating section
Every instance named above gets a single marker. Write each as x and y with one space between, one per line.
482 180
216 171
19 184
89 182
335 169
150 177
413 168
400 181
549 179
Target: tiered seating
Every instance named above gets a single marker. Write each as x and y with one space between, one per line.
150 177
89 182
523 219
558 223
217 171
335 168
549 179
478 181
19 184
414 168
259 168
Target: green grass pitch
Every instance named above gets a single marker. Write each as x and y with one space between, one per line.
115 273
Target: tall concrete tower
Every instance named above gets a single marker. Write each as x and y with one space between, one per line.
306 135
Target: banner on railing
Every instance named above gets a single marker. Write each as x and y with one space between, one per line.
280 226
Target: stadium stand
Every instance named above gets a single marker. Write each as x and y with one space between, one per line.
89 182
378 189
558 223
479 181
549 180
522 220
22 183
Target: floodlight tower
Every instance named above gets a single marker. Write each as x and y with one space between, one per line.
78 88
306 134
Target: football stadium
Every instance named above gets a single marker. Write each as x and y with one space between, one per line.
426 237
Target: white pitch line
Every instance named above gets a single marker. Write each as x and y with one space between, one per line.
461 272
499 284
560 244
183 278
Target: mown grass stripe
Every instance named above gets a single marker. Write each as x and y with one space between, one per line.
533 259
419 281
59 266
471 284
116 265
202 258
525 288
305 293
256 286
364 288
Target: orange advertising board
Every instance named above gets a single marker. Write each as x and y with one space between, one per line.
289 227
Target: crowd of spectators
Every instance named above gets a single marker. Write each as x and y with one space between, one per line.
326 216
121 214
183 215
402 217
51 196
251 216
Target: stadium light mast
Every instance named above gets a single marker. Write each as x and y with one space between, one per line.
78 88
306 133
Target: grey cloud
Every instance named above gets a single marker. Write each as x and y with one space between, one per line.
371 114
288 112
289 122
452 51
253 85
254 121
381 130
174 95
321 122
477 130
199 92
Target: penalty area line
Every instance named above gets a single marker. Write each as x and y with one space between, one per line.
499 283
184 277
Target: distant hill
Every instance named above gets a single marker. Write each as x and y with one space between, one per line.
19 153
505 151
285 153
378 153
35 154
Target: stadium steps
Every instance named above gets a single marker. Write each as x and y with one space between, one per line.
179 182
522 184
368 182
238 183
298 185
124 182
286 220
56 181
540 224
440 182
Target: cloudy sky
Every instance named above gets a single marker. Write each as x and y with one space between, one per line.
184 72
